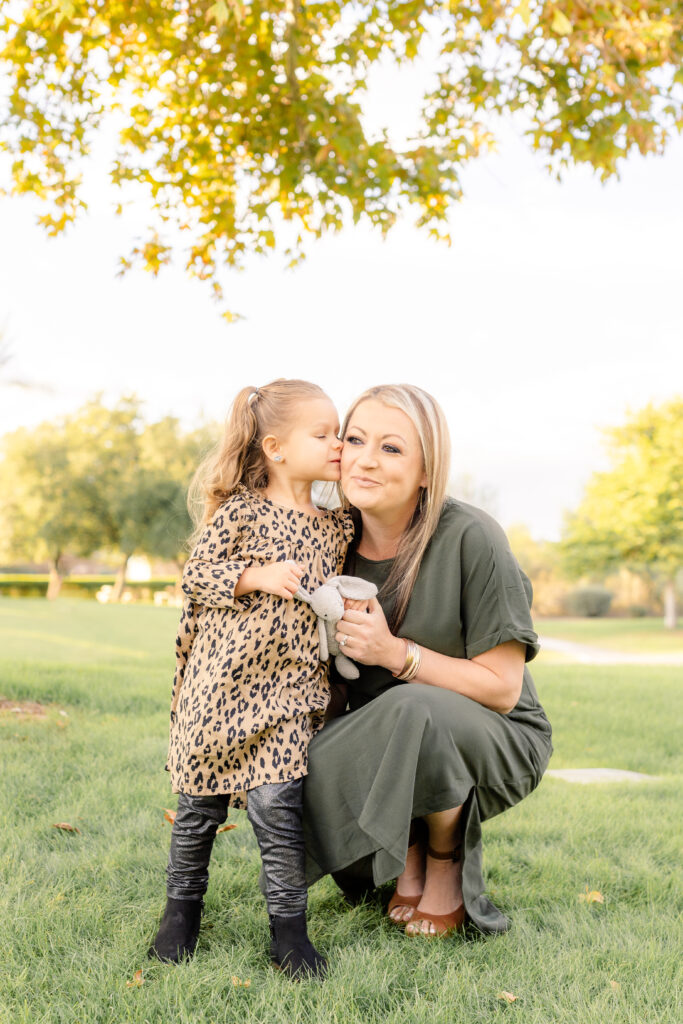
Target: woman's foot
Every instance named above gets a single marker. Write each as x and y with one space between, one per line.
441 898
409 885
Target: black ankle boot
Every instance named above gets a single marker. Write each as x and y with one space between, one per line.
178 931
291 949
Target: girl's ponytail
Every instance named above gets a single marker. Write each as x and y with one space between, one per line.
239 458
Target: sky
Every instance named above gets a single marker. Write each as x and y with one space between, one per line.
556 310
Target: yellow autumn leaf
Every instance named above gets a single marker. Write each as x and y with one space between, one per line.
506 997
591 896
561 24
522 9
137 981
238 983
225 828
615 985
218 12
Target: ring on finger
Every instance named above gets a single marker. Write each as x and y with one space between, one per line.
342 642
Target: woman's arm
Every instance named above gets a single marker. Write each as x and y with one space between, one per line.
493 678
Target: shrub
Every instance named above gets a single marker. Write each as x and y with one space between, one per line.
591 601
35 585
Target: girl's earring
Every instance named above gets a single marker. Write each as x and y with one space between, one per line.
277 458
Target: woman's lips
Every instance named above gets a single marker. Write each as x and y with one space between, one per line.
364 481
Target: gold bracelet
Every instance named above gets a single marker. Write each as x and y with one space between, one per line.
415 667
411 666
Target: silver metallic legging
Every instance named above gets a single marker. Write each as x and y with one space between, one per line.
274 811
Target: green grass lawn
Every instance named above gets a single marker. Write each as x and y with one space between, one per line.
643 635
78 910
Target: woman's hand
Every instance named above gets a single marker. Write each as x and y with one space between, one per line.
367 638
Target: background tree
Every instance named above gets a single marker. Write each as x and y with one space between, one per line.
138 476
237 115
632 513
45 505
98 480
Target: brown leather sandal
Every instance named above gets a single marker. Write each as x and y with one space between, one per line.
397 900
444 924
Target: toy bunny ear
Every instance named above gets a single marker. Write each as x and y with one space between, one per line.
353 587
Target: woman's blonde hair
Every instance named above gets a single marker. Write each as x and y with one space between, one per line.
427 416
239 459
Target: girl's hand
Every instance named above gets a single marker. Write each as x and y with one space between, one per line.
278 578
368 639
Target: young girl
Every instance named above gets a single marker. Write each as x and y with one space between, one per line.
249 689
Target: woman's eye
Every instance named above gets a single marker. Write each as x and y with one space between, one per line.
352 439
392 449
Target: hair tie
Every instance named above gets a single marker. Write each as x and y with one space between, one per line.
253 396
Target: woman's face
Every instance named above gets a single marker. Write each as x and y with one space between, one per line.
382 467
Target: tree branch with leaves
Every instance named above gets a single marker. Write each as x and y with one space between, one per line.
242 121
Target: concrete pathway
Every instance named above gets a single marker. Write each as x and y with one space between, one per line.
600 656
589 775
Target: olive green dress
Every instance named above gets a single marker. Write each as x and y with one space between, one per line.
405 750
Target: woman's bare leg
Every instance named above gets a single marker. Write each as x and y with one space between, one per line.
442 892
411 881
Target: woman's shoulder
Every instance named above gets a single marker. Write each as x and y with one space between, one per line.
468 525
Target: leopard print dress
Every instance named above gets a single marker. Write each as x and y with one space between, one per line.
250 690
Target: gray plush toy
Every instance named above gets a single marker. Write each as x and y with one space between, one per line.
328 604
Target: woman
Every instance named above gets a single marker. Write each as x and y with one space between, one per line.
445 728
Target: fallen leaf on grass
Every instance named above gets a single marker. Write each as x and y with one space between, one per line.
64 825
591 896
615 985
226 828
237 982
506 997
137 981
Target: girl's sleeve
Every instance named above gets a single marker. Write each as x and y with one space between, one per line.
496 594
183 645
216 564
344 537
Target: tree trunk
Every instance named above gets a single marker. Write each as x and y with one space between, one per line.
670 604
120 580
55 581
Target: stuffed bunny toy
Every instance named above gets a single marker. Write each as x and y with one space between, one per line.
328 604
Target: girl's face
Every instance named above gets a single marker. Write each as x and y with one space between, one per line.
382 466
312 448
